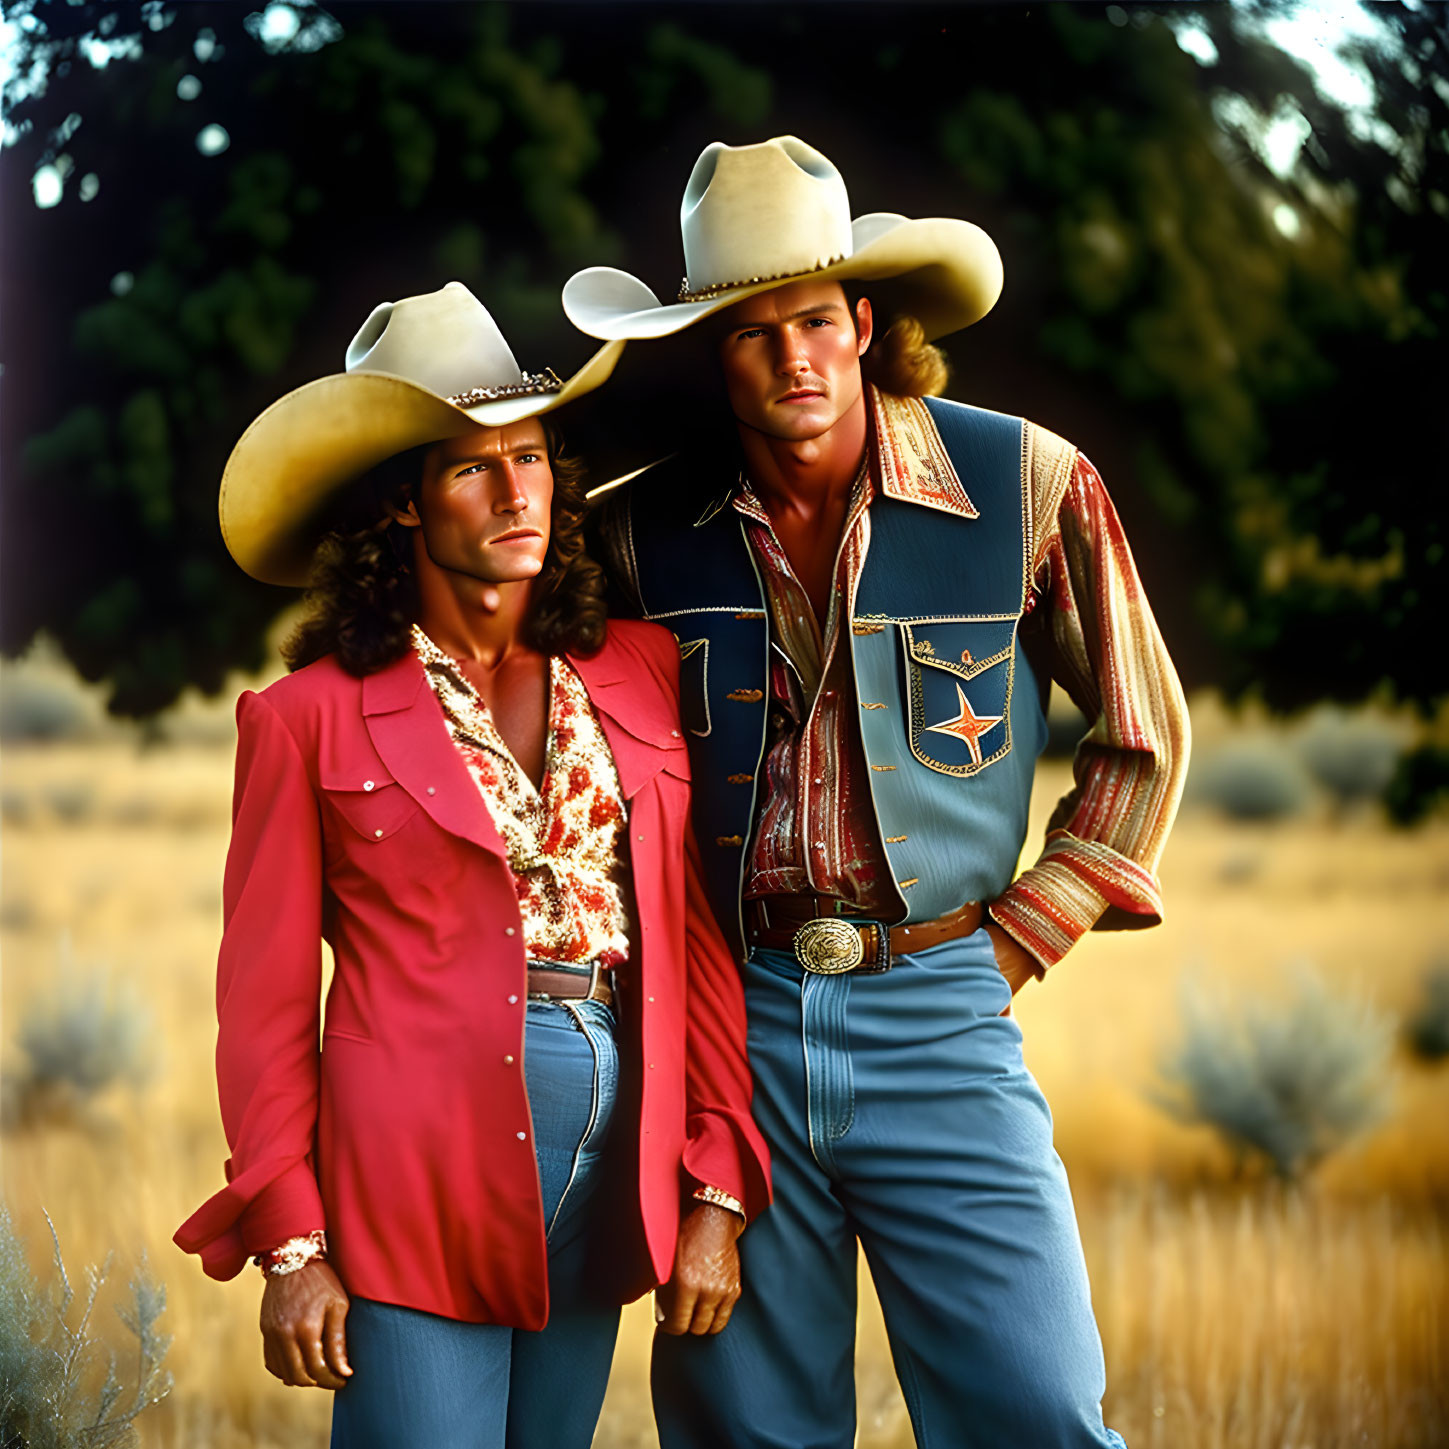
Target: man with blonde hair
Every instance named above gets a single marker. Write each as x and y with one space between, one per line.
872 598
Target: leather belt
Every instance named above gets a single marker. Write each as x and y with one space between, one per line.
828 944
564 981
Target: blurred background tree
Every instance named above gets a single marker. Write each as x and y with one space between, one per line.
1224 276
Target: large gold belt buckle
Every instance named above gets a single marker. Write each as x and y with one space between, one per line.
828 946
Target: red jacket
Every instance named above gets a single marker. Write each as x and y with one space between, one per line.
355 821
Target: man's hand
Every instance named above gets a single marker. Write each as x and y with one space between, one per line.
1017 964
303 1342
705 1285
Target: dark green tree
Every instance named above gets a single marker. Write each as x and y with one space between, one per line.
214 268
1253 356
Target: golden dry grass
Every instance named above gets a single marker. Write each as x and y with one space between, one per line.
1235 1315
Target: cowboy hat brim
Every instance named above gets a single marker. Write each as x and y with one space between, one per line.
944 272
294 460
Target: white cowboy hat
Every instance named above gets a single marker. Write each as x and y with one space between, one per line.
757 217
420 370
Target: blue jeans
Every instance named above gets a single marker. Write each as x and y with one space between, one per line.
426 1382
898 1111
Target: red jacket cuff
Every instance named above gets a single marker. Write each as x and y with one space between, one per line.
724 1150
266 1205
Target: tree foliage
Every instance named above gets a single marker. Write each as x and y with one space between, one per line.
1265 406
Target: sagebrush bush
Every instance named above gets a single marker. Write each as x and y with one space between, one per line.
1286 1082
34 709
83 1037
1240 867
136 810
72 802
1427 1028
59 1388
1353 757
1251 779
18 913
15 808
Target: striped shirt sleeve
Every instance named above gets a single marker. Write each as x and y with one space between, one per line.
1106 835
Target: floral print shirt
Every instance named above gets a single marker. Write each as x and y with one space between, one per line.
565 837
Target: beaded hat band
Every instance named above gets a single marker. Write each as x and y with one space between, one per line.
534 384
718 289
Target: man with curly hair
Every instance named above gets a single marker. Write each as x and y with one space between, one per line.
531 1099
872 595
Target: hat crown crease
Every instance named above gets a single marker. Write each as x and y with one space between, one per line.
446 341
775 209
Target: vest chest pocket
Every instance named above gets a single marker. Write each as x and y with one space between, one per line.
958 691
372 803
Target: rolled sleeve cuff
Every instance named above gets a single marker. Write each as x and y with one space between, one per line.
265 1205
729 1156
1075 885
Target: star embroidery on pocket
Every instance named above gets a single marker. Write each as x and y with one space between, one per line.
968 725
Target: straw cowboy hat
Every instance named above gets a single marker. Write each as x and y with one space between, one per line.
420 370
757 217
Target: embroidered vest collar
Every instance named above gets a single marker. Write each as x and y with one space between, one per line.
913 462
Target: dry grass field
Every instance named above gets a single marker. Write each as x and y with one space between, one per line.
1237 1314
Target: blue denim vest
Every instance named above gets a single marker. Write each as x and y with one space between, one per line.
936 620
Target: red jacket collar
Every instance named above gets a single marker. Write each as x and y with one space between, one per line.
406 725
